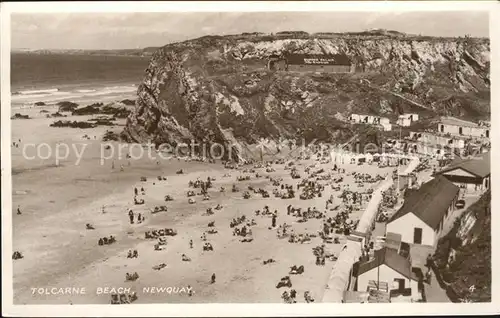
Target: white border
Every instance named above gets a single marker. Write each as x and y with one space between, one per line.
224 310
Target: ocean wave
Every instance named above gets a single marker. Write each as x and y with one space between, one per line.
73 94
37 92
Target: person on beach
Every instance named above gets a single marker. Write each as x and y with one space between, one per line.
190 290
135 191
273 221
190 243
213 279
131 216
18 210
428 262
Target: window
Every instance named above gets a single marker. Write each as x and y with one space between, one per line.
417 235
442 128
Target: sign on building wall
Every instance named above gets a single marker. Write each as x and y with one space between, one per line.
320 61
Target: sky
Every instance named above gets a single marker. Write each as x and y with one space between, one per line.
139 30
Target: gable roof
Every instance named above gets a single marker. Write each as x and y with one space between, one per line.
430 202
391 258
457 122
478 165
325 59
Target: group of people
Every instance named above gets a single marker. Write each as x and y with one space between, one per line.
131 215
153 234
118 299
106 241
243 227
311 189
132 254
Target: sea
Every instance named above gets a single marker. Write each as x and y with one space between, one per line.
83 79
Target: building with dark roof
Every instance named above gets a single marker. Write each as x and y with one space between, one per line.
472 174
424 212
322 63
387 271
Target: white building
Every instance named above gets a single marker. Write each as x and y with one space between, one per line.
403 121
383 122
406 120
455 126
435 140
425 211
388 271
386 126
368 119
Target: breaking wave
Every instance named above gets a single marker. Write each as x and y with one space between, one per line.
54 95
37 92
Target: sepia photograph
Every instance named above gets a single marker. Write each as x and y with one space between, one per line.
260 156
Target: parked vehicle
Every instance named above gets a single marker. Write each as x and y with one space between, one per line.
460 204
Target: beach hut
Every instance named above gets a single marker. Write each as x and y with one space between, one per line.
360 158
347 157
384 159
369 158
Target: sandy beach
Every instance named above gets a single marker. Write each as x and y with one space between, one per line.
60 253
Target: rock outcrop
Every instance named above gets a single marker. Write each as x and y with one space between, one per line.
218 89
463 256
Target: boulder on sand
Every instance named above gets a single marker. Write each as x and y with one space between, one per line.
88 110
67 106
20 116
73 124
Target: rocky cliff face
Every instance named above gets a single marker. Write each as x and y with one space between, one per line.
218 89
463 257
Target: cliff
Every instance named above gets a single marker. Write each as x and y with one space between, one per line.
463 257
218 88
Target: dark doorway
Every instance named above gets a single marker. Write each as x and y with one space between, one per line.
401 283
487 134
417 235
442 128
460 131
